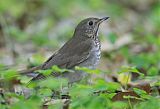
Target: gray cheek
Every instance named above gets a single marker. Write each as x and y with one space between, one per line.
89 32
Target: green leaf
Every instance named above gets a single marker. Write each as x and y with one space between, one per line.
57 69
132 97
80 90
119 105
24 79
139 91
152 103
126 69
45 92
103 85
8 74
87 70
153 71
143 94
53 83
32 103
45 72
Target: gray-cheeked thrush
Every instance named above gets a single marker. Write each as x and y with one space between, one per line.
83 50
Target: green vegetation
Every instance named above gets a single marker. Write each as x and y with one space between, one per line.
128 76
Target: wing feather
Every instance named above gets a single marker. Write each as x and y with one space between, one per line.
69 58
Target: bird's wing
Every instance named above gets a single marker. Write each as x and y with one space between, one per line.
69 58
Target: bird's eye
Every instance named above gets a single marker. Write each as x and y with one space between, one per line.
90 23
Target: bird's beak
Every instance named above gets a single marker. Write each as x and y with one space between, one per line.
102 19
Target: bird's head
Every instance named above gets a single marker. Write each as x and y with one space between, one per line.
89 27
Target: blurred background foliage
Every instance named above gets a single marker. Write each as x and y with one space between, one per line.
31 30
28 27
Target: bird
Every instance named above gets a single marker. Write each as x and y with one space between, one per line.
83 49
